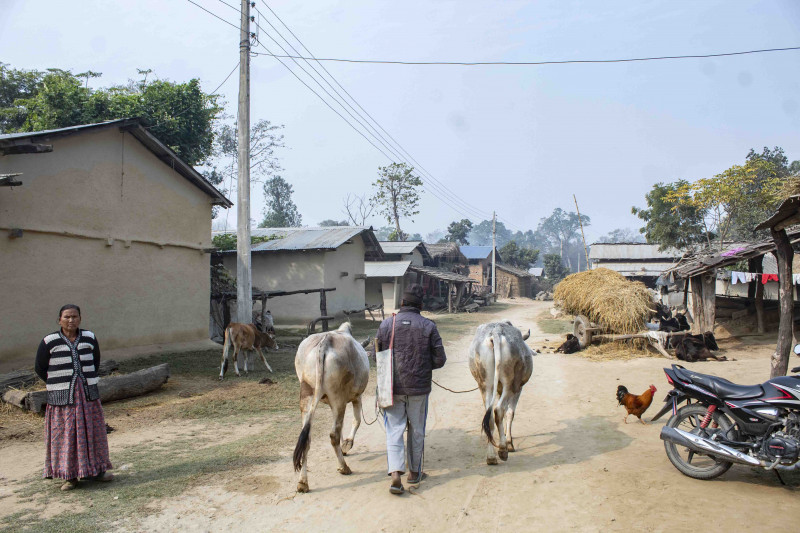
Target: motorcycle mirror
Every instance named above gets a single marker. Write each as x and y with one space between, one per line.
797 349
795 370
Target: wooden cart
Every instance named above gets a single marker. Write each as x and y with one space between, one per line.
587 331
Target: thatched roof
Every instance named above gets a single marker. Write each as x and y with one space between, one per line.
514 270
446 251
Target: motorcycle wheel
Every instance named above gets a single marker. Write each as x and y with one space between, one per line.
688 462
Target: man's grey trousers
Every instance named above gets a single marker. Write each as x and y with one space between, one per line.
411 410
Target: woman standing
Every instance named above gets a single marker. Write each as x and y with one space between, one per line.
74 426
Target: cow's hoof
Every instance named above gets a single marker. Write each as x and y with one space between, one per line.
502 454
511 447
302 487
220 378
347 445
344 470
491 460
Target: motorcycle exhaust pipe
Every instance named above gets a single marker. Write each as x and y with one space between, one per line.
706 446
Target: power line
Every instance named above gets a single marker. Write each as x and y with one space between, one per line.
553 62
214 15
435 184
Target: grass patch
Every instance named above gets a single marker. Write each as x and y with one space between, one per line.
553 326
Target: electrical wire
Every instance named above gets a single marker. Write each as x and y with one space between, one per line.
553 62
214 15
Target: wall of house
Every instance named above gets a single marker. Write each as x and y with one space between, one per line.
109 227
511 285
287 271
350 290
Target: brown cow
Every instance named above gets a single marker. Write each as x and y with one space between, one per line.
245 337
333 368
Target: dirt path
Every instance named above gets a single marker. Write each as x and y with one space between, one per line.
578 467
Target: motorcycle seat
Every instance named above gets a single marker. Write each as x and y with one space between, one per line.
721 386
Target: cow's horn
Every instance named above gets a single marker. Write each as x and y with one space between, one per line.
527 335
366 342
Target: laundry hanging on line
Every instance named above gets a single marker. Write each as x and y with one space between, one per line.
747 277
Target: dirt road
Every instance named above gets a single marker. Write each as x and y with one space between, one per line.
578 467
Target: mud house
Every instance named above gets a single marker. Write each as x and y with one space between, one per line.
636 261
479 259
310 258
513 282
109 218
446 256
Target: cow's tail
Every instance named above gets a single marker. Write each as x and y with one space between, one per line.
302 441
487 418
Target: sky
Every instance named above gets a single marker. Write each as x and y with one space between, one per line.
518 140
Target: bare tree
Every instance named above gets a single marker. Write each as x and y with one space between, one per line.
358 209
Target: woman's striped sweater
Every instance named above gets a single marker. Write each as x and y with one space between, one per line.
63 365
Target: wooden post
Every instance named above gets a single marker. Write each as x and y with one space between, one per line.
686 295
756 265
697 304
449 296
323 308
709 301
784 254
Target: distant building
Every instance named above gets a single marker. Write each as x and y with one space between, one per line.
385 283
445 255
310 258
111 220
479 260
513 282
636 261
414 251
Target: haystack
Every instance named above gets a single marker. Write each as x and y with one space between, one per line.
606 298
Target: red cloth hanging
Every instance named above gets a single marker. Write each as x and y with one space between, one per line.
768 277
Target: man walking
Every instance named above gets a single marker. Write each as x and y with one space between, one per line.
417 351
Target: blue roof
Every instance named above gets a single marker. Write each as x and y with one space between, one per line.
476 252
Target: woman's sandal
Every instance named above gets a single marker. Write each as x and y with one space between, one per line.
105 476
69 484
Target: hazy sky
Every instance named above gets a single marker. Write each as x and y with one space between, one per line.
516 139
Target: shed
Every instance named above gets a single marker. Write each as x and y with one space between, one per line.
385 283
513 282
445 255
112 220
636 261
331 257
455 287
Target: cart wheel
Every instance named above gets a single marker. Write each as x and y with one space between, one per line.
582 330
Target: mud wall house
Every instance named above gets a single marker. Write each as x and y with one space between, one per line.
111 220
446 256
635 261
414 251
310 258
479 262
513 282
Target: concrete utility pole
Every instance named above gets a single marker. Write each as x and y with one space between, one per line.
244 284
494 246
583 237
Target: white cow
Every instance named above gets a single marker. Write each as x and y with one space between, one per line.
333 368
501 363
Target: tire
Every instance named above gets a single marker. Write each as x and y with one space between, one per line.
693 464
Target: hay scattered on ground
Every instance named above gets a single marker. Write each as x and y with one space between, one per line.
606 298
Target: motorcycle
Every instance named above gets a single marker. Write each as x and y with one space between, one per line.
724 423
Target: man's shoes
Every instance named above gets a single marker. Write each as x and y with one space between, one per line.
415 477
397 485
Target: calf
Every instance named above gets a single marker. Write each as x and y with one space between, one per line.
679 323
571 345
244 337
693 348
501 363
333 368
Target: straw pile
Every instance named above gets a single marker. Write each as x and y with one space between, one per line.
606 298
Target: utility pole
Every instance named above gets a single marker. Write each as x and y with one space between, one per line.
494 246
244 283
583 237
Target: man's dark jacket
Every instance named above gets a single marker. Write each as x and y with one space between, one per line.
417 351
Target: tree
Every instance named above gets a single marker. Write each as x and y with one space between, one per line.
554 269
514 255
180 115
561 229
280 211
668 223
458 231
481 234
358 209
435 236
733 198
621 235
396 194
328 222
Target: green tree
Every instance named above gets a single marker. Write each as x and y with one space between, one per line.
561 229
733 198
458 231
517 256
397 194
181 115
554 268
668 223
621 235
330 222
228 241
280 211
481 234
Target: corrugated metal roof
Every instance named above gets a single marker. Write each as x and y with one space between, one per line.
653 269
399 247
476 252
622 251
438 273
536 271
386 269
322 238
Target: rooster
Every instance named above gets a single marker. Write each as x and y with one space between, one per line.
635 405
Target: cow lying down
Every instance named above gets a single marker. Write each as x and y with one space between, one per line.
571 345
501 363
693 348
